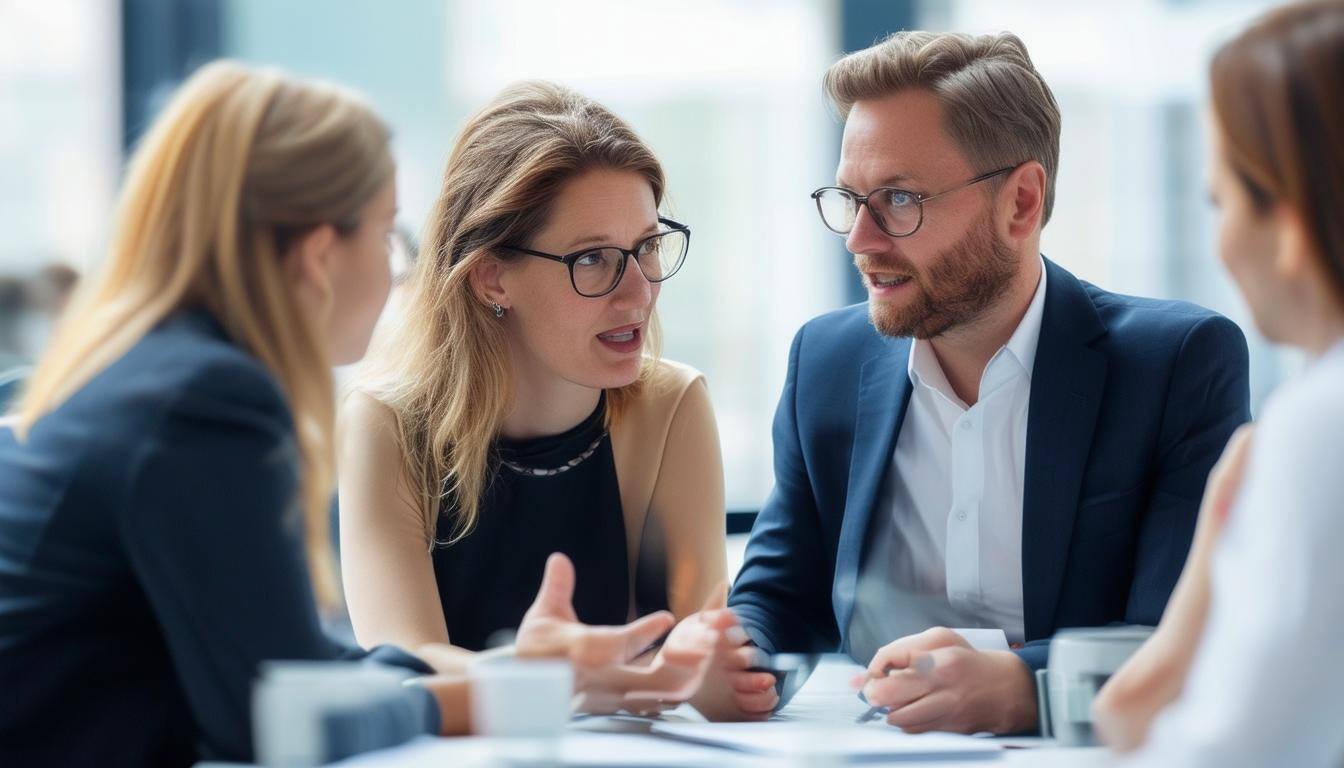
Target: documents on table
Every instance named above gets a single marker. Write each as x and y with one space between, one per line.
845 741
828 696
818 722
576 748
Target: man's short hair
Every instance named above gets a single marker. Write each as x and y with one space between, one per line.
996 106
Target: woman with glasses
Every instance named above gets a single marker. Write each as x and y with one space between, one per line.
519 407
165 479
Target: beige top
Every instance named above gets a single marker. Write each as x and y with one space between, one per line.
665 446
669 469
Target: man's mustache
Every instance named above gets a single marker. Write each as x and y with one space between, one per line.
868 264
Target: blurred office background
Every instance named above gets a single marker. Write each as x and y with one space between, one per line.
727 91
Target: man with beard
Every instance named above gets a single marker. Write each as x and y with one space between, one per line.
987 442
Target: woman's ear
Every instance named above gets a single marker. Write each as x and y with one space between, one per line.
487 282
308 262
1294 259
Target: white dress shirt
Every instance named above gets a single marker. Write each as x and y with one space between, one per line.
1267 683
945 547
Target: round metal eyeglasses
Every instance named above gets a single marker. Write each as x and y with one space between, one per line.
898 212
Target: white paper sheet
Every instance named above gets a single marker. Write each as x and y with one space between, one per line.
846 741
828 695
575 749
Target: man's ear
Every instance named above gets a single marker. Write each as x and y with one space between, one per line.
1024 190
487 283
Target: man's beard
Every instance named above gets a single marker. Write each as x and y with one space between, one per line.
962 282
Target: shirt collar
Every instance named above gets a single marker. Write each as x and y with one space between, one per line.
1023 342
924 370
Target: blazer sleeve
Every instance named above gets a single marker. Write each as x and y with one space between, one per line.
783 593
1207 399
214 535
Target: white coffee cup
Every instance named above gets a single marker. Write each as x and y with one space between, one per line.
293 701
515 697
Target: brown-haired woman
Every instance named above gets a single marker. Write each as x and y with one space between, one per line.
1244 668
172 454
519 406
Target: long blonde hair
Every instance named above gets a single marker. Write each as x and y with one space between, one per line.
240 163
443 369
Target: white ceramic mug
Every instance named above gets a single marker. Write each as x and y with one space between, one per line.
296 706
1081 661
520 697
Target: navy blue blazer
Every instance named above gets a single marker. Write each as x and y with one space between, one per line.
151 559
1132 401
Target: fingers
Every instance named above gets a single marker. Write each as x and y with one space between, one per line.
753 692
731 637
758 703
893 656
588 646
543 637
722 619
657 682
646 707
898 689
900 654
936 637
751 682
686 657
595 702
743 657
718 597
928 713
642 632
692 642
555 597
597 647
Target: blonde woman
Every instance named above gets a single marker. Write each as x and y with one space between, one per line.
148 558
520 407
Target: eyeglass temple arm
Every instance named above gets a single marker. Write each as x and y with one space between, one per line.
531 252
976 180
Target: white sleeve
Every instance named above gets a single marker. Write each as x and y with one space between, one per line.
1267 685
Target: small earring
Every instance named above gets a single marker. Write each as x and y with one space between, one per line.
498 310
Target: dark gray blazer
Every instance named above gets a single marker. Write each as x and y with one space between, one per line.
151 558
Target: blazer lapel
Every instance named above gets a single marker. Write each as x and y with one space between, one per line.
1067 383
884 393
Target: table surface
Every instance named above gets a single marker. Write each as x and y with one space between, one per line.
613 751
826 701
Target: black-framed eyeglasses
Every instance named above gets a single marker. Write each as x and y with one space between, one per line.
595 272
898 212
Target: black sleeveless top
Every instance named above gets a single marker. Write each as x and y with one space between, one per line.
532 508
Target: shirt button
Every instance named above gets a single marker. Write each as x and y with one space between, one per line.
961 515
966 425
